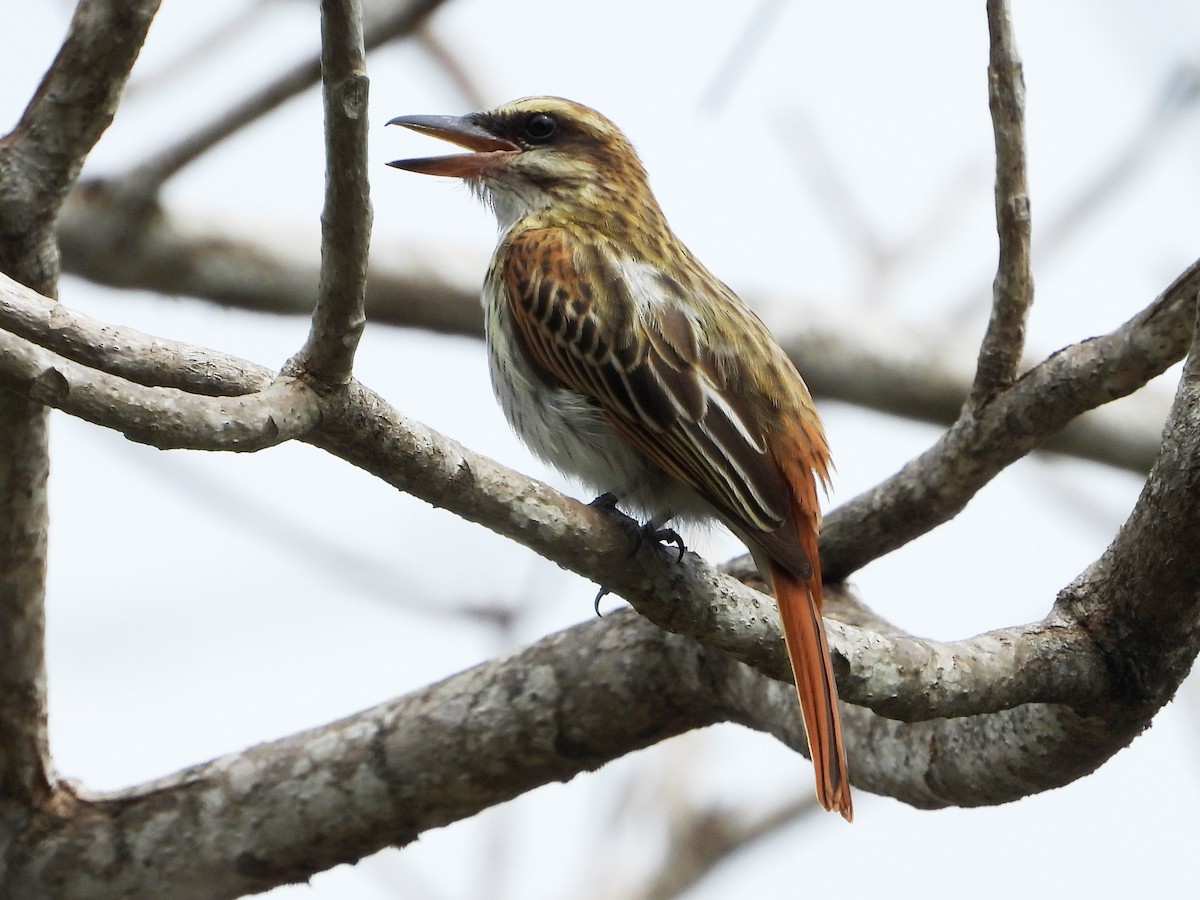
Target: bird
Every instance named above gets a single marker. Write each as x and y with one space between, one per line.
622 361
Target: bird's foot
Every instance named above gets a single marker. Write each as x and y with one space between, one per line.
646 532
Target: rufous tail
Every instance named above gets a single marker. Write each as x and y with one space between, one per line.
799 604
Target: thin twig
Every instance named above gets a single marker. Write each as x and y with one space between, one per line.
821 172
190 57
749 41
1177 98
702 840
822 175
339 317
1012 290
452 67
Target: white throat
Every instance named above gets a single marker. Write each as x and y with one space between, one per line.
510 206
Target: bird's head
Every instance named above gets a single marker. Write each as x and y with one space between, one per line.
540 153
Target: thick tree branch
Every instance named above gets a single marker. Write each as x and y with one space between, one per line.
281 812
39 162
25 773
1004 341
978 761
1141 600
338 320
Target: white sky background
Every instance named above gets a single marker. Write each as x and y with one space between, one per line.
201 603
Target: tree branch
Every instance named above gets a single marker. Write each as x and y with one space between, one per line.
936 485
167 418
281 812
124 352
39 162
339 317
72 107
25 772
898 676
878 363
158 253
983 760
1140 602
1004 341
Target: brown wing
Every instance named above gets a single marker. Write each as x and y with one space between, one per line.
623 334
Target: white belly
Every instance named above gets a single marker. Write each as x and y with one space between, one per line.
567 430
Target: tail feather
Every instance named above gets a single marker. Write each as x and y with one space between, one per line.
802 454
799 604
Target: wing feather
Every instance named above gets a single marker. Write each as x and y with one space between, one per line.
635 350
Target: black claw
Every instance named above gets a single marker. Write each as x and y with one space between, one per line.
649 532
596 603
665 536
668 536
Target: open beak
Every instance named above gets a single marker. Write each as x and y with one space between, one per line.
489 149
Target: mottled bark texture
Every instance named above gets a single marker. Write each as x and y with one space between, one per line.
39 162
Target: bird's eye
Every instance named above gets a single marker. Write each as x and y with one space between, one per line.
541 126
